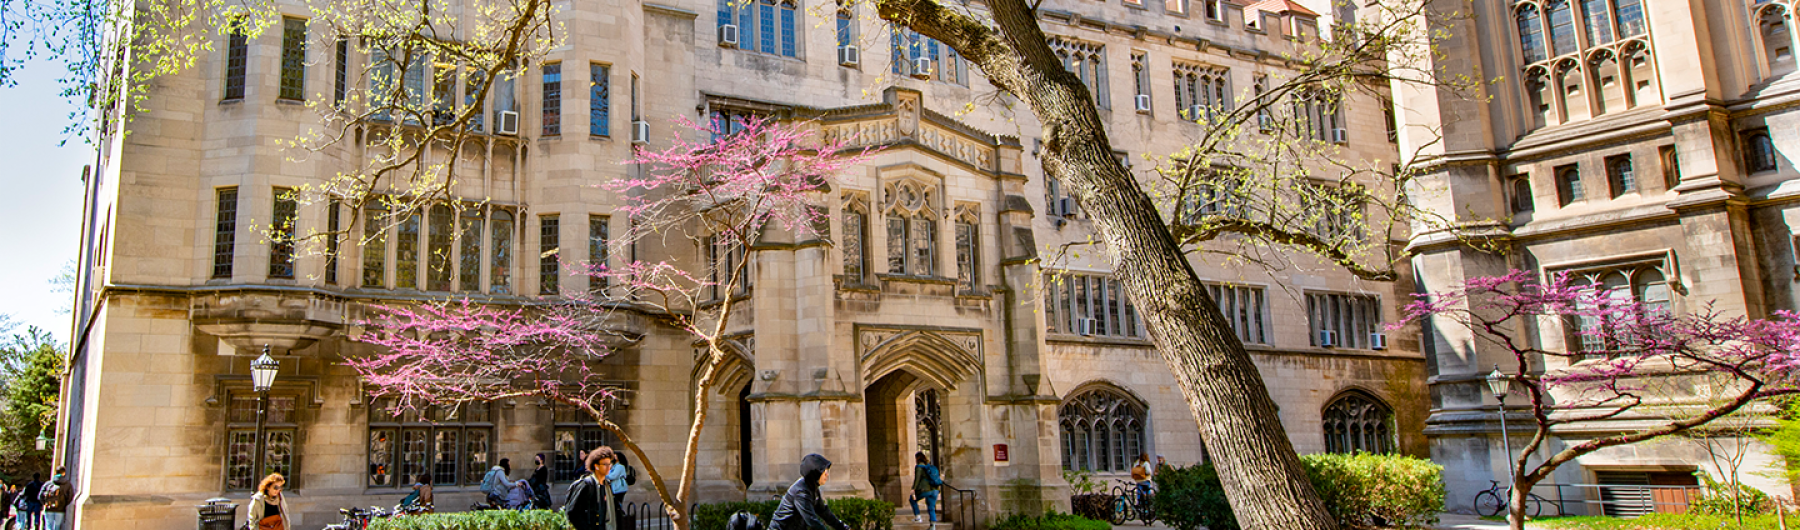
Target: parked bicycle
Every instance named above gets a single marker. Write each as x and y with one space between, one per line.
358 518
1494 501
1130 503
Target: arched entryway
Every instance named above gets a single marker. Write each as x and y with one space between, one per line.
906 416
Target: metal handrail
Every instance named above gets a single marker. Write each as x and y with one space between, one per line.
1623 500
965 507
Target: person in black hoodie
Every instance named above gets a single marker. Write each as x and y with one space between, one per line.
590 504
803 507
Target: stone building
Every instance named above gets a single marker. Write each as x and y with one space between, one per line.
923 324
1637 144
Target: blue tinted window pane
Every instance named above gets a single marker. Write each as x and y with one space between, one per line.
787 31
767 13
599 102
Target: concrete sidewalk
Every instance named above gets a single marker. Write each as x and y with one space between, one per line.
1457 521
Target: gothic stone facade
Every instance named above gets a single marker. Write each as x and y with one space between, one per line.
924 323
1639 144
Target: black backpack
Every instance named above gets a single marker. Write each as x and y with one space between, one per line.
742 520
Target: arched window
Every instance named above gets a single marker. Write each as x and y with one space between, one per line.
1562 28
1640 74
855 239
911 228
1599 22
1358 423
1102 430
1778 42
1640 282
1531 34
1569 91
1541 92
1760 151
968 250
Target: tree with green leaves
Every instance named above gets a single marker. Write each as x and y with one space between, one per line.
31 367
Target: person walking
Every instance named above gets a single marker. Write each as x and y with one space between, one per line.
495 485
590 505
926 481
803 507
268 507
55 498
540 484
34 508
8 494
1142 471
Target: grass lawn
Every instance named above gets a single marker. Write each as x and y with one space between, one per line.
1660 521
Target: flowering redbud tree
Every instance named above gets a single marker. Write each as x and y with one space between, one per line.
1668 373
713 196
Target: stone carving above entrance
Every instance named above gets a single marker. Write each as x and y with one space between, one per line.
942 355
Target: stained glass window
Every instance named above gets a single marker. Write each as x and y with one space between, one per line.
1102 430
1358 423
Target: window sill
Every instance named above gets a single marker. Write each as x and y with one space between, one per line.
232 101
285 101
1218 22
600 137
1057 336
935 280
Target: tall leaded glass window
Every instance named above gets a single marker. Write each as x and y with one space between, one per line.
1562 27
1092 305
237 61
340 83
1246 308
468 257
500 261
598 234
333 224
855 239
599 100
1599 21
1087 61
1620 176
293 59
442 240
374 246
444 445
406 253
552 99
911 208
225 232
1346 320
277 446
1759 150
846 25
1102 429
281 233
1358 423
549 266
1200 91
968 250
1630 17
1641 282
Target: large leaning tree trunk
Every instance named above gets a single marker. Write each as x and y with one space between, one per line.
1217 377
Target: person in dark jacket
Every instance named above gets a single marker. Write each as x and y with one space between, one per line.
590 505
540 484
803 507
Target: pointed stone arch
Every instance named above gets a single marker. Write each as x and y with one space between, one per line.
941 356
737 369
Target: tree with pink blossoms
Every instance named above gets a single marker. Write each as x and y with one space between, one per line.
1669 373
713 197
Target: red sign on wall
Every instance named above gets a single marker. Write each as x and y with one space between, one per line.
1001 456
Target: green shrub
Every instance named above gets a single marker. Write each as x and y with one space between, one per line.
1716 499
1049 521
1361 491
1188 498
858 514
1091 505
1370 490
483 520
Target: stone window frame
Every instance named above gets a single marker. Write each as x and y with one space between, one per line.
1072 294
1106 413
1518 193
1569 188
462 419
1140 76
1356 421
1760 154
446 260
284 215
967 226
1648 278
334 241
549 252
1770 16
571 434
906 46
918 204
855 236
1353 316
227 203
1621 175
599 254
293 59
724 254
1087 60
237 61
600 99
1201 91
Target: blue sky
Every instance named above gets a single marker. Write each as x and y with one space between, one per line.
40 198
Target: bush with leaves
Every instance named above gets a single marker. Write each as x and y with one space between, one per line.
1716 499
1372 491
481 520
1785 439
1049 521
1188 498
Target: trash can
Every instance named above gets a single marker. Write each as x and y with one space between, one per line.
217 514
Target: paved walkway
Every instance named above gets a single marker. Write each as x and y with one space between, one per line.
1457 521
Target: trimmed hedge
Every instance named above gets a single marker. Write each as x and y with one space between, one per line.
1094 506
1360 491
483 520
858 514
1050 521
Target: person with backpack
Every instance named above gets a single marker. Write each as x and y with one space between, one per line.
926 481
495 486
55 497
622 477
803 507
590 506
1141 473
34 508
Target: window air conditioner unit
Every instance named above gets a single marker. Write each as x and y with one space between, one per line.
1084 326
728 36
921 68
1328 338
1065 206
640 132
509 123
1143 103
1197 113
1339 136
1377 341
849 55
1266 122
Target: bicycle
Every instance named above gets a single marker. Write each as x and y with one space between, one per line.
1493 501
358 518
1130 503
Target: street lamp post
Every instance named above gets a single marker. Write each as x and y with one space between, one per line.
1500 384
262 376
